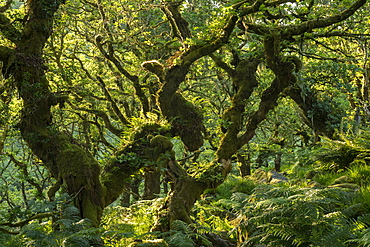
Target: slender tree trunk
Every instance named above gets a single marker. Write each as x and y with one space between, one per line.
125 200
135 185
245 164
152 185
277 162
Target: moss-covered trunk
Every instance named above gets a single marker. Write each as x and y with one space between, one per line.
75 168
179 203
189 187
71 165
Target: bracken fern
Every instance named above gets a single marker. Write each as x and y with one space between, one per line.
278 216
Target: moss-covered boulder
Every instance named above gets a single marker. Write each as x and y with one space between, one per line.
350 186
311 174
274 177
259 175
343 180
150 243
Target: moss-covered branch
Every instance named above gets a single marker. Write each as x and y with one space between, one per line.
111 57
323 22
148 147
180 27
186 119
195 52
283 68
244 80
297 29
104 116
26 221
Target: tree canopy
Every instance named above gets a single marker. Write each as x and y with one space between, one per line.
98 95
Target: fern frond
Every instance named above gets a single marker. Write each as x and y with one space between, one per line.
280 231
239 197
75 242
180 226
335 237
179 239
364 240
365 218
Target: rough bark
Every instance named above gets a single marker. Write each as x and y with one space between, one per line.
188 124
74 167
244 79
187 120
148 147
184 194
180 27
188 187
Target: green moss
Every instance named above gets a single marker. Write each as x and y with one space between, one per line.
148 129
148 148
74 161
79 172
187 122
162 142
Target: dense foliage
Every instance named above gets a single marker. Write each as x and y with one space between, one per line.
166 123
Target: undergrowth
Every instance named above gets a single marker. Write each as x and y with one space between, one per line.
282 216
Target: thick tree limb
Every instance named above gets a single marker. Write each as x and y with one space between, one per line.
196 52
230 71
26 221
250 9
291 30
244 80
283 69
176 75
